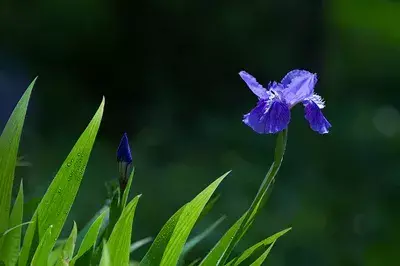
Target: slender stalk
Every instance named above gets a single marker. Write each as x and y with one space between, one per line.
261 195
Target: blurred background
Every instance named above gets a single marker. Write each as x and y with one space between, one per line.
169 72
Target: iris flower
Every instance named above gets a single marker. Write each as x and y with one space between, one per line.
272 113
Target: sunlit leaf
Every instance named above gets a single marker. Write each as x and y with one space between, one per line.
262 258
43 250
185 224
248 252
56 203
105 257
12 240
9 145
120 238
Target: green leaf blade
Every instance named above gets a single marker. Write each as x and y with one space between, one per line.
186 223
262 258
91 236
12 240
43 250
9 145
56 203
248 252
120 238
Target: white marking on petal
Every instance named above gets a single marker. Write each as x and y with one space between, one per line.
318 100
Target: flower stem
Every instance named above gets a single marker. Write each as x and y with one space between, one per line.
262 195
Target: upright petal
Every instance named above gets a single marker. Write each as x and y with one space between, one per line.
254 86
298 85
314 115
268 117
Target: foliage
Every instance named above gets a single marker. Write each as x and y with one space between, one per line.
107 239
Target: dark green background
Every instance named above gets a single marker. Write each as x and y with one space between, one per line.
169 70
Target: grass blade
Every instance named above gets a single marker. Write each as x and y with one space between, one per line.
9 144
140 243
217 252
120 238
12 240
248 252
127 190
154 254
91 236
262 258
56 203
69 246
105 256
197 239
186 222
43 250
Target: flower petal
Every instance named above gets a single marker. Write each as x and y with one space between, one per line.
299 85
124 151
268 117
254 86
314 116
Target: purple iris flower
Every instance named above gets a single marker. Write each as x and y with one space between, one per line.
272 113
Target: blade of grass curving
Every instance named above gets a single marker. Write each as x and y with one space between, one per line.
9 144
218 251
43 250
140 243
69 246
262 258
90 238
154 254
210 204
2 235
261 194
56 203
105 256
82 233
186 222
248 252
120 238
12 240
193 263
55 255
197 239
127 190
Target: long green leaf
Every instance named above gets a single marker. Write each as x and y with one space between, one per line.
262 258
127 190
154 254
43 250
186 222
82 233
69 246
12 241
262 194
105 257
9 144
140 243
120 238
91 236
248 252
56 203
200 237
218 251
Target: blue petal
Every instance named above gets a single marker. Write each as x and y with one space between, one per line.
314 116
298 85
268 117
254 86
124 151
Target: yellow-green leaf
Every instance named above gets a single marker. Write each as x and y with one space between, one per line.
56 203
186 222
120 238
12 241
9 144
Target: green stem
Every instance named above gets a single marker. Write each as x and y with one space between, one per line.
261 195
